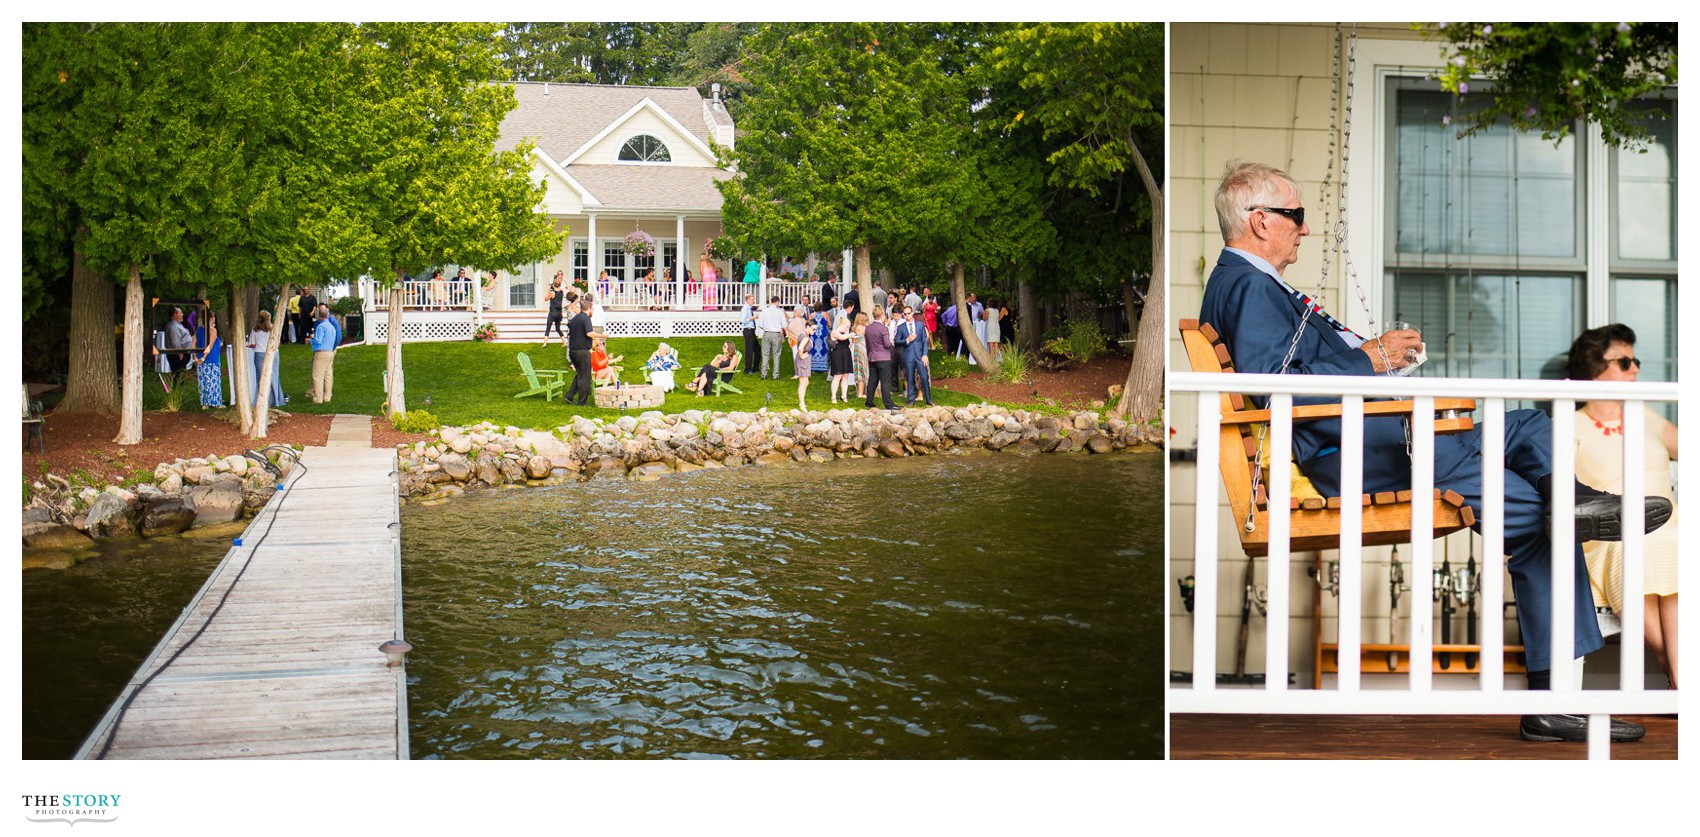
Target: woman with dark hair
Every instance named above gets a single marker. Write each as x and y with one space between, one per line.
209 374
726 361
1607 353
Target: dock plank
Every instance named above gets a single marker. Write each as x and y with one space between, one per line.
277 656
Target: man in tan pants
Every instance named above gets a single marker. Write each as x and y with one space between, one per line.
324 355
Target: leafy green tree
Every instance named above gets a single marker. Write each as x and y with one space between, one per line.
1546 76
1098 114
853 137
419 179
137 167
51 154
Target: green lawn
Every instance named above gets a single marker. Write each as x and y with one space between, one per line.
470 382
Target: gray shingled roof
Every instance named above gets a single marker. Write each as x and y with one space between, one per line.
651 187
568 115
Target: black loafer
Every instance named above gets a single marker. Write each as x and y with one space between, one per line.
1574 728
1599 518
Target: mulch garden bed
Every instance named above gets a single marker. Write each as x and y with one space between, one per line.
84 441
1077 387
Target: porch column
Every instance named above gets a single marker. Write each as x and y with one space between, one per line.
761 287
595 257
477 298
679 256
849 266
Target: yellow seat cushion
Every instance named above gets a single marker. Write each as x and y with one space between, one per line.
1301 485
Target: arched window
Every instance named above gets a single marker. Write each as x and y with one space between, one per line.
644 148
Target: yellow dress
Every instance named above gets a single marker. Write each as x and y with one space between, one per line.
1599 464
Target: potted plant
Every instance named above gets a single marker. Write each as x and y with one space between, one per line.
485 333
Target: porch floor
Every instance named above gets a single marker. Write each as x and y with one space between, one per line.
1204 736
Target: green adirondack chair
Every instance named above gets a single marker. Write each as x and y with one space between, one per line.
723 381
547 381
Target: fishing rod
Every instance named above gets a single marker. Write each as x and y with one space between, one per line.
1469 588
1443 595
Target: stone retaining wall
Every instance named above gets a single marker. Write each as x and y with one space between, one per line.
646 446
186 493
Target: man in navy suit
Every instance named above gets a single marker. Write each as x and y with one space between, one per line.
1257 313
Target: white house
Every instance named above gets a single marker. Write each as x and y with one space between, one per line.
615 159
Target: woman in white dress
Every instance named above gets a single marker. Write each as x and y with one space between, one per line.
994 334
1607 353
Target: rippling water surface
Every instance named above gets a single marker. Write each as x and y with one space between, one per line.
88 627
942 607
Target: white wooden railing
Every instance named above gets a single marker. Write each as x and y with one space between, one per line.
1419 698
453 294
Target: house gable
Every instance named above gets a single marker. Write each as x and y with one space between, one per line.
646 117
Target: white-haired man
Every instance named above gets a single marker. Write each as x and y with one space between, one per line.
1271 327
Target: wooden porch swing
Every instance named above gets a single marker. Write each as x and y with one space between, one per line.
1315 520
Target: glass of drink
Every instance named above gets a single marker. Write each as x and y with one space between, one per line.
1413 356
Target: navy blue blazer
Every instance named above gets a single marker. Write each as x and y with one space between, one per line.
1257 319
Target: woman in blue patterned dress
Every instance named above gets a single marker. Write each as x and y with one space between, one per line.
818 344
208 374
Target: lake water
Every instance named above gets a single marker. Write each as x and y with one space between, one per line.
939 607
87 628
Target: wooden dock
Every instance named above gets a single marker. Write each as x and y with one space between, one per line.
282 656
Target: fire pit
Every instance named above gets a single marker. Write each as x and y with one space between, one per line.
630 397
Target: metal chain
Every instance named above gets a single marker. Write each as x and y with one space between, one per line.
1322 279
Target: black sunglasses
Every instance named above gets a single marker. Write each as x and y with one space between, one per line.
1297 213
1623 363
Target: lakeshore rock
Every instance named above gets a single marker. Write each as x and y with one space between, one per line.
219 502
455 467
168 516
55 536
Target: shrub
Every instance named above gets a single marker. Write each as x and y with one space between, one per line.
415 421
949 366
1013 367
347 305
1058 353
485 333
1087 339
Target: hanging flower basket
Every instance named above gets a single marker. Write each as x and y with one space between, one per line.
720 248
640 243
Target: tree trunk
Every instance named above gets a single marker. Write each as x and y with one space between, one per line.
397 401
864 279
1142 396
263 407
1130 304
92 384
959 292
241 367
135 351
1027 337
251 303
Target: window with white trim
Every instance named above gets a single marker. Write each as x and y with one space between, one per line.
581 262
644 148
522 287
1487 245
614 258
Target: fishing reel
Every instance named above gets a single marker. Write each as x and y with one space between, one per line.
1186 585
1396 585
1466 585
1332 585
1258 597
1443 583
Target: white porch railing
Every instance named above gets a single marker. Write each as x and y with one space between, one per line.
1419 698
449 294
